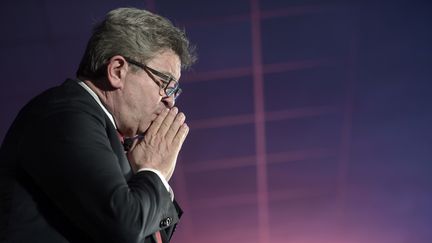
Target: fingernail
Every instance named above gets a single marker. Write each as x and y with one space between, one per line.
175 110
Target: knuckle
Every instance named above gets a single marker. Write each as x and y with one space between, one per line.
164 125
157 140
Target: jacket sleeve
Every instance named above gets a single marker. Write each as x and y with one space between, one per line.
69 157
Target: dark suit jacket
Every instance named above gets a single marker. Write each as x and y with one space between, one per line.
64 177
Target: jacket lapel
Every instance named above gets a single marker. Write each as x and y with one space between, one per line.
118 149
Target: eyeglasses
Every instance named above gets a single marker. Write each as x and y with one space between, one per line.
169 85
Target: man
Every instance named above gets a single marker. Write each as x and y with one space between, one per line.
65 176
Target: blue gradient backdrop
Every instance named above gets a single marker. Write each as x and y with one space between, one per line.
311 120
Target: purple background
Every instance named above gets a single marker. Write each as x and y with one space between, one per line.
310 119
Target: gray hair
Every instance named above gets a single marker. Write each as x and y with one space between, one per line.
133 33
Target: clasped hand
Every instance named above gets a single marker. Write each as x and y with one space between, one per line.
161 143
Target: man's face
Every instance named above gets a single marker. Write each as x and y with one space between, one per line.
142 98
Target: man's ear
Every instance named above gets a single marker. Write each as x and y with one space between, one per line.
116 71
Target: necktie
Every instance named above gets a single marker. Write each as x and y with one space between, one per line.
120 137
158 237
126 142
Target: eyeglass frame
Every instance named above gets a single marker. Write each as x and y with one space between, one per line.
164 78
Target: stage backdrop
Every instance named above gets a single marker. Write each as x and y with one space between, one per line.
310 120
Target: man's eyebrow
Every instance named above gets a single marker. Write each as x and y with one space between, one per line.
168 75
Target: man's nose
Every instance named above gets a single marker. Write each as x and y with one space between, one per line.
169 101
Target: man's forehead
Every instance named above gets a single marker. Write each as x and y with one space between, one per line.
168 63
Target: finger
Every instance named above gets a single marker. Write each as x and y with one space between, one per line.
154 126
166 124
180 137
172 131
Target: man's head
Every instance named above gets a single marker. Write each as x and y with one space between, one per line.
136 34
131 57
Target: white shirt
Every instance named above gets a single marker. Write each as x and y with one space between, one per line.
93 94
